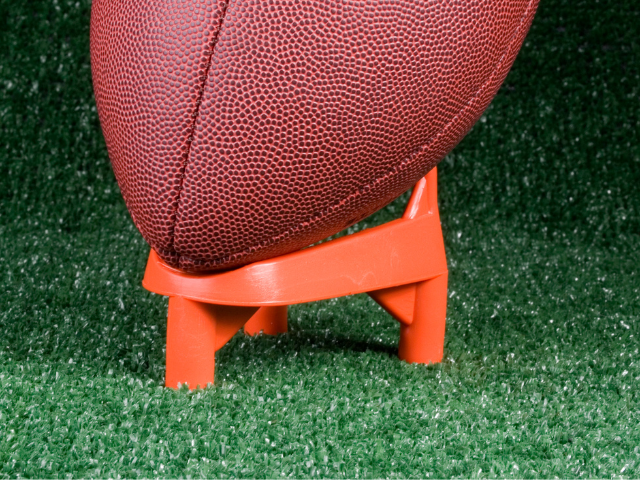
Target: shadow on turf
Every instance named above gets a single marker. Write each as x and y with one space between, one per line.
336 342
275 350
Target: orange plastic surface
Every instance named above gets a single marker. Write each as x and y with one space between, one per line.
268 320
195 330
401 265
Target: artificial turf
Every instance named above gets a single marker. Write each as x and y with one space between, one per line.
540 210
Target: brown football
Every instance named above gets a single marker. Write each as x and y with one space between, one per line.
241 130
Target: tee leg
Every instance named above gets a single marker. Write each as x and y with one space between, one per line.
268 320
191 341
422 341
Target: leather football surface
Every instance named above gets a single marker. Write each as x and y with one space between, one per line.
243 130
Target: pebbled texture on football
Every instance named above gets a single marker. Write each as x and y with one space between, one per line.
240 130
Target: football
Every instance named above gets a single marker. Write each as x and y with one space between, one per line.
240 130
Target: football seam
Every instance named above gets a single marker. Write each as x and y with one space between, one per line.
196 113
266 243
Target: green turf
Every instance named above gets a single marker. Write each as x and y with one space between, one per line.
540 207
